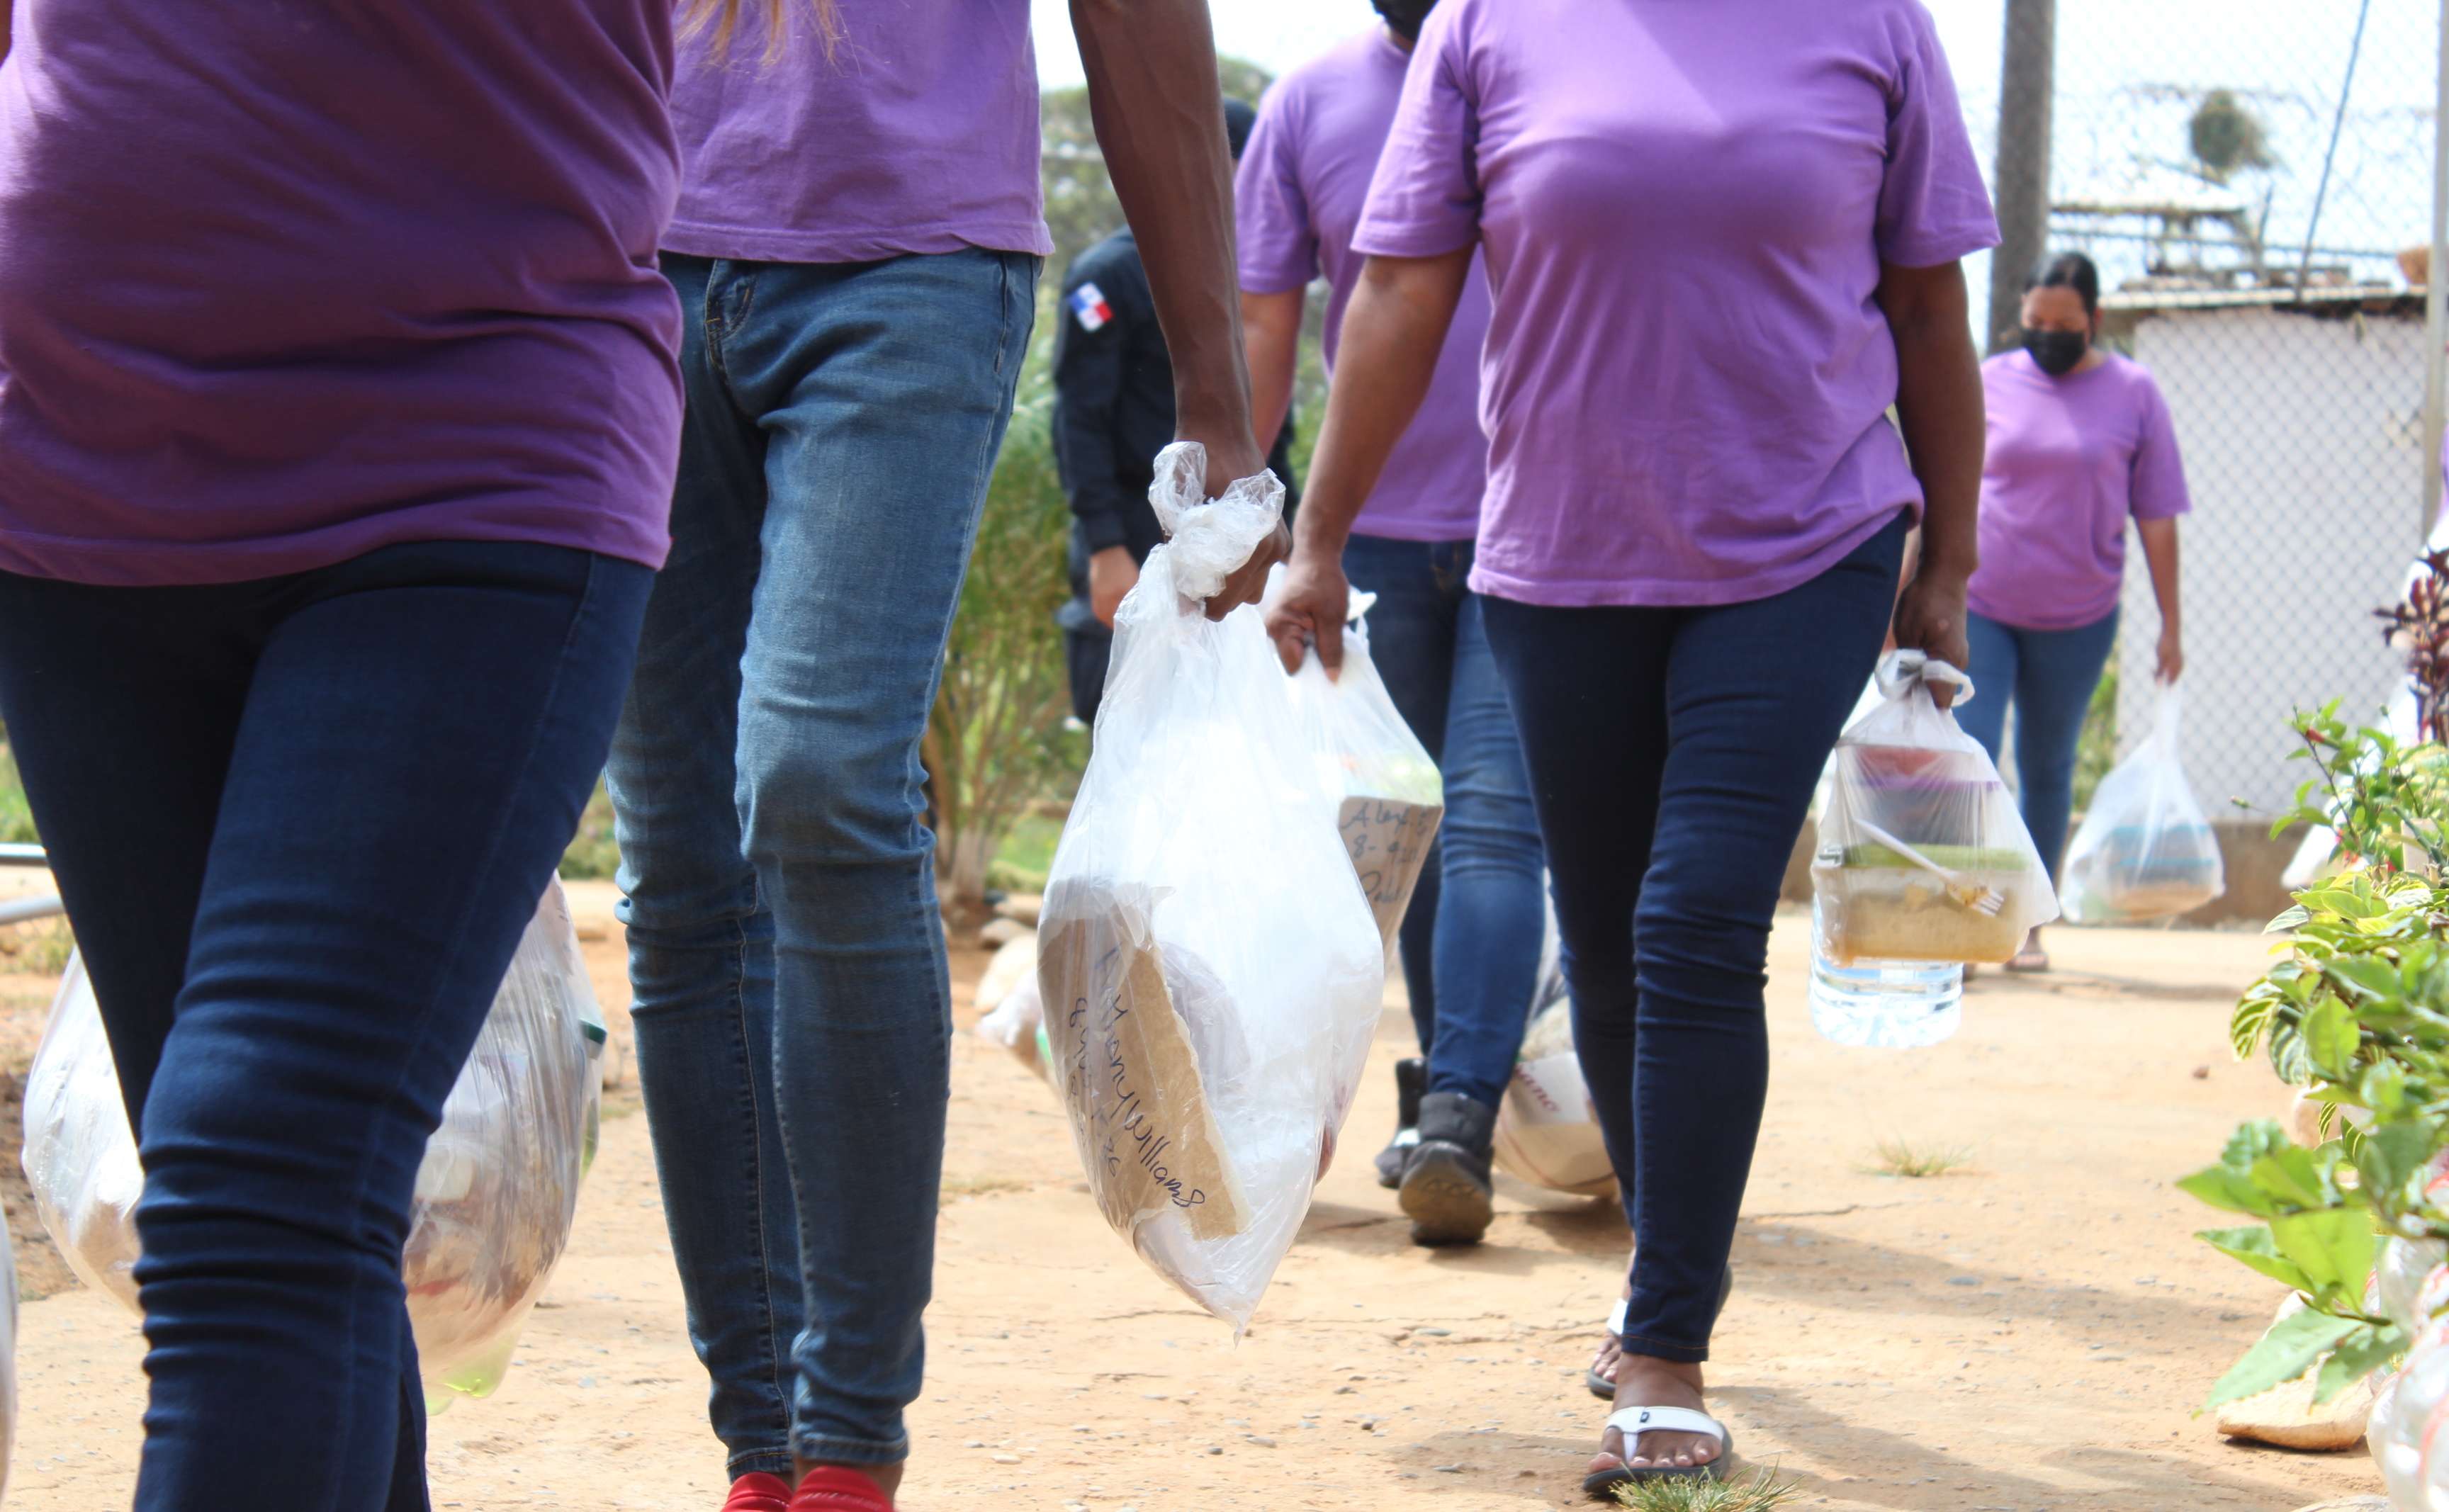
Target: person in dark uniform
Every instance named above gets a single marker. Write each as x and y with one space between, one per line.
1113 412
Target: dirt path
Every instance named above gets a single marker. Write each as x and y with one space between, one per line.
2028 1333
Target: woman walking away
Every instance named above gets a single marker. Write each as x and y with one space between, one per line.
1722 240
856 250
2080 442
1471 943
338 410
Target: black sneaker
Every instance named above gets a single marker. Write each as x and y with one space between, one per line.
1447 1192
1411 1079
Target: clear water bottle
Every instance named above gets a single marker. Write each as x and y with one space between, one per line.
1887 1005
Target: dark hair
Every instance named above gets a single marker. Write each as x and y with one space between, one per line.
2069 270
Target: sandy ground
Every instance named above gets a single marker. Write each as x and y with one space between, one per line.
2029 1332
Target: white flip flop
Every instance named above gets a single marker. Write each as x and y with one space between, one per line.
1600 1385
1634 1422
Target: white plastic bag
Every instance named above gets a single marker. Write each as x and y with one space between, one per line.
1547 1133
1210 971
1019 1024
496 1193
1922 856
2145 849
1393 795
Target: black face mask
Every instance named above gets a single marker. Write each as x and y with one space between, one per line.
2057 352
1404 16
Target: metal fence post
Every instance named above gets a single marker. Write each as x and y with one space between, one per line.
2028 89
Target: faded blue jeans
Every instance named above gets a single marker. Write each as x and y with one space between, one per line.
1471 943
793 1014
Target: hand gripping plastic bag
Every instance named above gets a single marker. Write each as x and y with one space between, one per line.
2145 849
496 1193
1922 856
1210 973
1393 795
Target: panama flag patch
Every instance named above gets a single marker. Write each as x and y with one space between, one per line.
1090 308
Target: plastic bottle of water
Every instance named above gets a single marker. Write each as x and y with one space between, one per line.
1888 1004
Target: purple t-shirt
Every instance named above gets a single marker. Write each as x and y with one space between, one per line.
2069 461
1685 207
918 134
1303 179
285 281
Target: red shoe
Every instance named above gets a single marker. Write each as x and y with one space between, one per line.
758 1493
832 1488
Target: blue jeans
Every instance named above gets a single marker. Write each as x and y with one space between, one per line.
300 824
2049 676
1471 943
1673 754
793 1014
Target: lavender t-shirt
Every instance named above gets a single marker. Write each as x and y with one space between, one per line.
285 281
2070 459
1303 179
1684 206
917 133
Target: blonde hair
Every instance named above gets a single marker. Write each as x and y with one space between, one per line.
722 18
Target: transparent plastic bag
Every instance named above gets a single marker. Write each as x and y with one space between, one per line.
1019 1024
1922 856
1210 970
2145 849
1393 795
496 1190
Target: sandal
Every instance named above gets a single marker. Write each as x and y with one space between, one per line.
2029 963
1600 1385
1634 1422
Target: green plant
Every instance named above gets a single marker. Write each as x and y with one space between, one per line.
39 947
1761 1491
16 819
994 741
593 854
1901 1159
2227 138
2356 1012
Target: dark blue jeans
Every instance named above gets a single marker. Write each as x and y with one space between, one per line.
1673 754
2047 676
300 824
1471 943
793 1012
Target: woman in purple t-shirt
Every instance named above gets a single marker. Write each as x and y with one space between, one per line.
337 410
1722 240
2080 442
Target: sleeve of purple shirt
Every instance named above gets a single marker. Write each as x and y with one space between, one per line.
1933 208
1278 245
2158 490
1425 199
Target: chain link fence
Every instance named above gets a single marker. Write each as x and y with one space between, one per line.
2254 178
